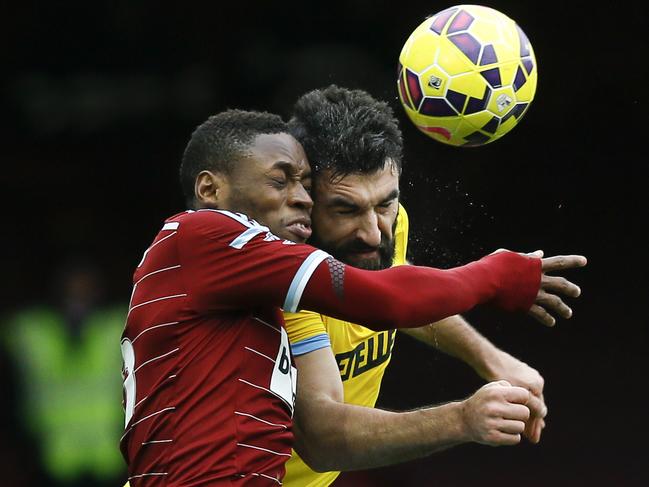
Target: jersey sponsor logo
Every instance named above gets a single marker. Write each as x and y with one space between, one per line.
284 379
368 354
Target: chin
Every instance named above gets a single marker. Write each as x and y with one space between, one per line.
367 264
291 237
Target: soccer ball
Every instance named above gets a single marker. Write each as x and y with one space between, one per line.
467 75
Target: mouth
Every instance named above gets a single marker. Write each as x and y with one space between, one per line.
300 228
366 254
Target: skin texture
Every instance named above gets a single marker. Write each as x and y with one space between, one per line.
271 184
355 217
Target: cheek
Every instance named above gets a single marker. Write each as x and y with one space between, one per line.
387 223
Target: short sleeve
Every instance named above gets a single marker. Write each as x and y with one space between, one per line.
306 332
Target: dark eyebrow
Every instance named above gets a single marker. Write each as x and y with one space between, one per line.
392 196
289 168
341 201
345 203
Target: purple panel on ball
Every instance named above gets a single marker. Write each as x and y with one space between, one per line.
468 44
436 107
462 21
475 105
529 64
492 125
493 77
517 112
404 94
475 139
456 100
441 19
414 88
519 80
488 55
525 43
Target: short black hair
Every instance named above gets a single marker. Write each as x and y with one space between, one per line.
346 131
224 138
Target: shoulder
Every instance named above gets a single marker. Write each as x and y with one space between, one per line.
306 331
402 218
197 218
213 224
401 237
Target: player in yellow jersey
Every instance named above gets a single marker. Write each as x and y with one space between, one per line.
354 146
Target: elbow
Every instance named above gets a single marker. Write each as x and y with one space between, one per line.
315 459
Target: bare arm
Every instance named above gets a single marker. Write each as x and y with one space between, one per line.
455 337
332 435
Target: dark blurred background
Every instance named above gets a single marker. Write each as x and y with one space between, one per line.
98 102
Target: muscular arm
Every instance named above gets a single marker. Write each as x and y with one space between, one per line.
455 337
331 435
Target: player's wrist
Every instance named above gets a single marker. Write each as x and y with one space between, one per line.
490 363
453 415
517 279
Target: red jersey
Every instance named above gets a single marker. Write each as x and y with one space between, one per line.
209 385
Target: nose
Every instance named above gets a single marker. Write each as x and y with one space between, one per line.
368 230
300 197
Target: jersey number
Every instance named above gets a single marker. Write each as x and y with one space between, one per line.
128 372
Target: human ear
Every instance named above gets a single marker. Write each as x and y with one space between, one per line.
211 189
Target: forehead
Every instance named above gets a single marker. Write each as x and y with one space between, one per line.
360 188
267 150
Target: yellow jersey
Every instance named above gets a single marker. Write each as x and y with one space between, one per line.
362 355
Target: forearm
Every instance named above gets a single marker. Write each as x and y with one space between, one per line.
408 296
347 437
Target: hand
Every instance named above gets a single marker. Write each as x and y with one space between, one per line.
508 368
548 300
496 414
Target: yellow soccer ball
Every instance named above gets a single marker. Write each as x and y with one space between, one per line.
467 75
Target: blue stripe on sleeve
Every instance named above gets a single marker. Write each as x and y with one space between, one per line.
310 344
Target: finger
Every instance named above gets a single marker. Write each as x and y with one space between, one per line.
553 303
537 407
511 427
540 424
536 385
504 439
546 406
502 383
516 412
529 378
559 262
541 315
533 430
537 253
560 285
516 395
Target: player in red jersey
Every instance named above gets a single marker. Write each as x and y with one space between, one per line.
209 383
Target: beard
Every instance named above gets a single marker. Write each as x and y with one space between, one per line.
346 252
